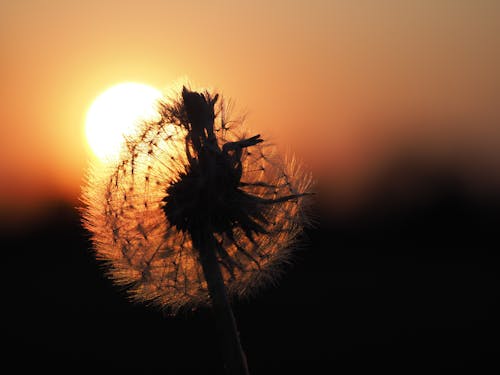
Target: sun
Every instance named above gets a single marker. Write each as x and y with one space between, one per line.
115 113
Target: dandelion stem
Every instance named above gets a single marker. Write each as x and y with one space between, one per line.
234 357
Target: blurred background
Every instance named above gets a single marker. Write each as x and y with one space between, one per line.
394 107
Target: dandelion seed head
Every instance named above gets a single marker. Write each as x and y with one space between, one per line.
143 209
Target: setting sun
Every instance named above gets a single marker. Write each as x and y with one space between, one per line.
115 113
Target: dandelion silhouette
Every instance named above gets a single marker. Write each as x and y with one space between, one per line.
195 212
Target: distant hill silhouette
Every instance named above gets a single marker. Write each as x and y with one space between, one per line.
408 284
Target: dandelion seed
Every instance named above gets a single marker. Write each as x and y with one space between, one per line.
195 210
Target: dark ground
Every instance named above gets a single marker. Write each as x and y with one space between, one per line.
407 287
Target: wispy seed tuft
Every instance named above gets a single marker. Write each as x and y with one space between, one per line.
181 175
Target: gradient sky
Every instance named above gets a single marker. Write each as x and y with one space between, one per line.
342 83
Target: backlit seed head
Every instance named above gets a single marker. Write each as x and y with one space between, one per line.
187 171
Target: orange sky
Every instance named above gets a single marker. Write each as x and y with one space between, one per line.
339 82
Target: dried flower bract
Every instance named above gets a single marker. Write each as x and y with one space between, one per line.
184 175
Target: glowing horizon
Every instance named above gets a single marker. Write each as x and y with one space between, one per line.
343 84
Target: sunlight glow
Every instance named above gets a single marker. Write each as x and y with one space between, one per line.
115 114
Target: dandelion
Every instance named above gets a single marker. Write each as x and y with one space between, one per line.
195 212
